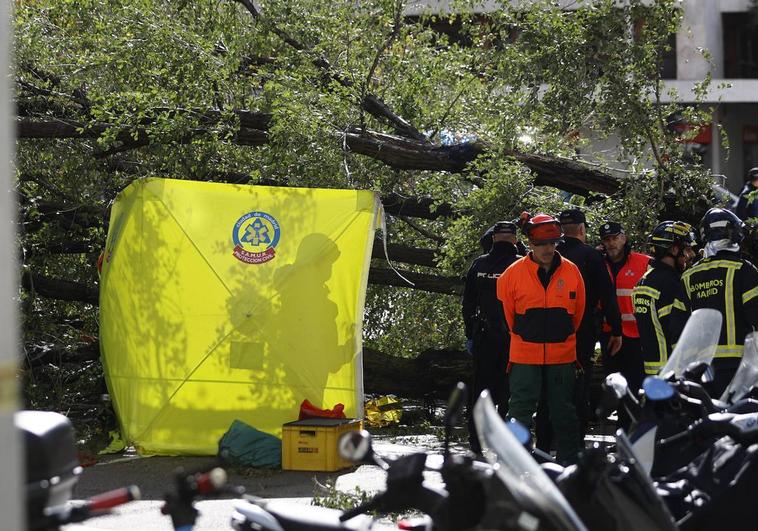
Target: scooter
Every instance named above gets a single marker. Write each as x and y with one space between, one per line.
52 471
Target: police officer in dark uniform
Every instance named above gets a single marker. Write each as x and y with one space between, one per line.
486 241
487 337
598 288
724 281
661 306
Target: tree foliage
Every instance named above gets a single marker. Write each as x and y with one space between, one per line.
282 91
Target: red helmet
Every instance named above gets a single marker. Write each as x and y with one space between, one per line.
543 228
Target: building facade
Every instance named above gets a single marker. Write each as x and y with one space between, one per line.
728 29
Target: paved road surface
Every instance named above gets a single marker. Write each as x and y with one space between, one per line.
154 476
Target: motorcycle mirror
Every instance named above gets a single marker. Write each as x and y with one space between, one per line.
522 434
657 389
455 405
355 446
708 375
617 384
695 371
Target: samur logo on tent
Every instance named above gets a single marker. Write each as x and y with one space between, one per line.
255 237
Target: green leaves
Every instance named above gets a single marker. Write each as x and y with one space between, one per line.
148 74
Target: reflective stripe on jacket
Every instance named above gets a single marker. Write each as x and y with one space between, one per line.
729 284
628 276
661 308
543 322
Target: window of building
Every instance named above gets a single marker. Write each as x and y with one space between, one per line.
666 53
740 44
667 57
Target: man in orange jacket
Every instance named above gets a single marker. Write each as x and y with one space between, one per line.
543 298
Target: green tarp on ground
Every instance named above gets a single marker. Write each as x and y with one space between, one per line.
221 302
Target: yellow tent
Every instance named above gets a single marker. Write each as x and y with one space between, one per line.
221 302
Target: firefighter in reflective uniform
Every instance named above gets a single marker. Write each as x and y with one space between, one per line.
487 336
626 267
661 306
724 281
543 299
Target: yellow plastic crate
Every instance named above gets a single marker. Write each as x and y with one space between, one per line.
311 444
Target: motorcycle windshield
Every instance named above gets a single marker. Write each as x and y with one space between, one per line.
652 512
697 342
747 373
520 473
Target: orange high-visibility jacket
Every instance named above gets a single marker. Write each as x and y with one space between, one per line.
628 276
543 322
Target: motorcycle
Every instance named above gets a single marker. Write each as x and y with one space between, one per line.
671 402
52 471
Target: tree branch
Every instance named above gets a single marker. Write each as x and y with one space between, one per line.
397 152
66 247
66 290
82 215
370 103
421 230
385 45
421 281
405 254
415 207
56 288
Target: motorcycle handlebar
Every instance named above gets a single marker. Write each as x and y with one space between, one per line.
108 500
698 392
95 506
716 427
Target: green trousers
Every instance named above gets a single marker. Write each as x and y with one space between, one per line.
526 384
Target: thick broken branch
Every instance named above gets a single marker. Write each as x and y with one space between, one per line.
56 288
422 281
252 131
66 247
84 216
415 207
432 373
403 154
405 254
397 152
66 290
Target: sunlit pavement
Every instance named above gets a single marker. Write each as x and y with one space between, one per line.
154 477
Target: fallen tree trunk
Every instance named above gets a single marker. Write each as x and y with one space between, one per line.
400 153
59 289
432 374
405 254
67 290
422 281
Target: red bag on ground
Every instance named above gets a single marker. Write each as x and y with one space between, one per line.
309 411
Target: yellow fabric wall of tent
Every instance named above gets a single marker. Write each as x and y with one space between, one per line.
221 302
